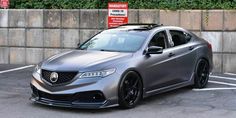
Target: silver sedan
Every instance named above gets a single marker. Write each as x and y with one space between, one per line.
120 66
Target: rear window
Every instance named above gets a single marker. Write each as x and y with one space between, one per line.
180 37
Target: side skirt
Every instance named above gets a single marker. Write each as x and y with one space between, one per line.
169 88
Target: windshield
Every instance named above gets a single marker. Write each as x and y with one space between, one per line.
119 41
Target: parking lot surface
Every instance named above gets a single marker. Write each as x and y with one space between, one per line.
216 101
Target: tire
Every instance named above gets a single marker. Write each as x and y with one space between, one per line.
130 90
201 74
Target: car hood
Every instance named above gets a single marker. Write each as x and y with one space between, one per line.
82 59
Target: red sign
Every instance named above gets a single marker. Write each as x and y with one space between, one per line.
4 4
117 14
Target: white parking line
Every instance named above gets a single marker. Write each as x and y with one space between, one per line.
14 69
221 77
230 74
222 83
211 89
218 82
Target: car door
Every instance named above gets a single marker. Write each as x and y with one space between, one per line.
159 68
184 53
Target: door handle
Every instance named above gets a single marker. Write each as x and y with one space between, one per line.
191 48
171 54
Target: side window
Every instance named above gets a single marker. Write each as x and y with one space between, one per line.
159 39
179 37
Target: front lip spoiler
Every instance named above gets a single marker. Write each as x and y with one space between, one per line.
55 103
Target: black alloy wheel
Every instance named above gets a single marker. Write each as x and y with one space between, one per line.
130 90
201 74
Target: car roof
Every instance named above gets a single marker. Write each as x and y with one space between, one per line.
149 27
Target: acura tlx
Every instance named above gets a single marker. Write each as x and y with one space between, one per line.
121 66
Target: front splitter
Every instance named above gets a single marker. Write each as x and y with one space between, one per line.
55 103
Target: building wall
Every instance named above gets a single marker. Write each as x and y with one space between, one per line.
28 36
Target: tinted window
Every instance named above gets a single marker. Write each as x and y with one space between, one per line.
179 37
121 41
159 40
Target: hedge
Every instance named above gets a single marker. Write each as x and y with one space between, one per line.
133 4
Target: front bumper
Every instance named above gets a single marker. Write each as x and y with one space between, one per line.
59 102
90 94
70 105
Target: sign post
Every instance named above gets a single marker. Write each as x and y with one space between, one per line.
117 14
4 4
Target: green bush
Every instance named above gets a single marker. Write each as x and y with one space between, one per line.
133 4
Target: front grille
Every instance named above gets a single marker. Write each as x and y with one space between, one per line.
81 97
89 97
63 77
57 97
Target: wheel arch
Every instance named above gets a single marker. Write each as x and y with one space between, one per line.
136 71
196 70
204 53
202 57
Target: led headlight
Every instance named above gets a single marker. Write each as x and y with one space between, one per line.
37 69
102 73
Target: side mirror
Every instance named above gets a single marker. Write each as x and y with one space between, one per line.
154 50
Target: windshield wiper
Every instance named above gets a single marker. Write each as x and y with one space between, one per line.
81 48
109 50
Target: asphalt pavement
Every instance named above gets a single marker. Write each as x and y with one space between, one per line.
218 100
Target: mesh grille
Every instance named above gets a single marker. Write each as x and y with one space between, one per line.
63 77
83 97
58 97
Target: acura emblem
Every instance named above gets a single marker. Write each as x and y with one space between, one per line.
53 77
